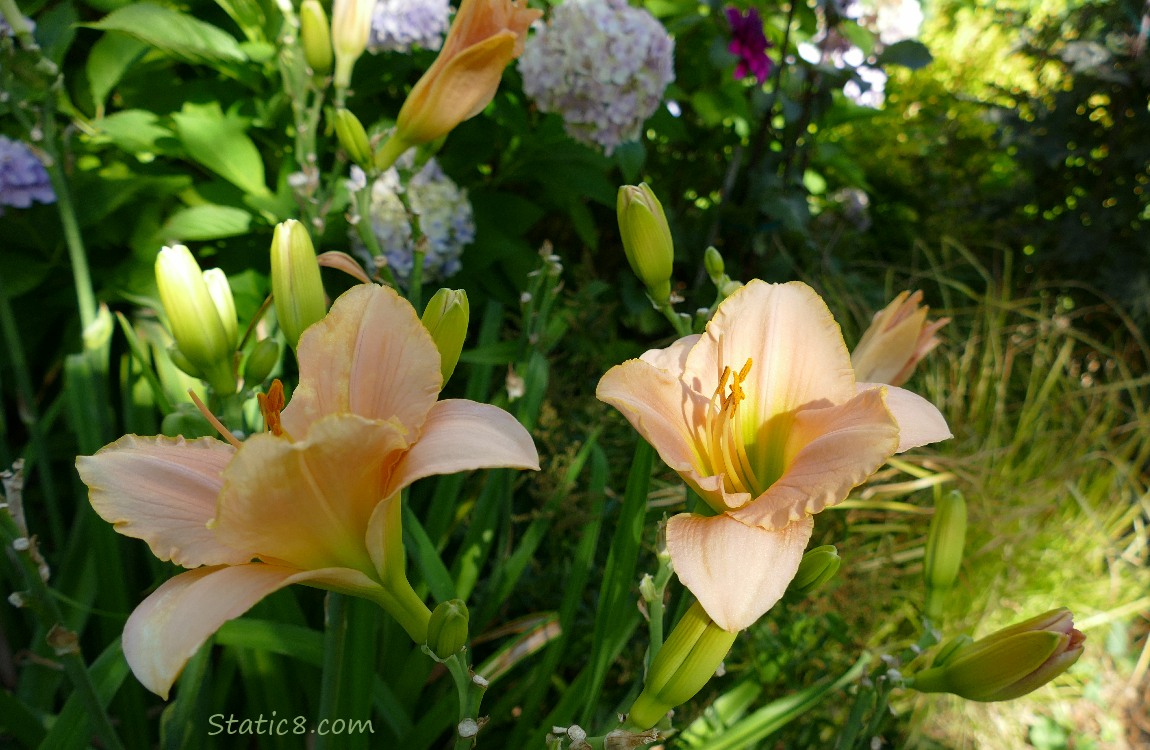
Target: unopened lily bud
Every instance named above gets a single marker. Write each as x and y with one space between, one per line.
315 34
646 239
447 629
201 335
818 566
296 285
944 545
353 137
261 361
350 30
951 649
187 421
685 663
898 337
484 37
183 363
445 318
713 262
1010 663
221 292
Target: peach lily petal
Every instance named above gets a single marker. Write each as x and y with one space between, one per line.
308 503
163 490
736 572
370 356
669 416
461 435
831 451
919 421
174 621
795 345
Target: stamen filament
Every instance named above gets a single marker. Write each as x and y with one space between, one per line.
224 431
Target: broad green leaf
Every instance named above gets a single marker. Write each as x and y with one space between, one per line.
219 143
174 33
138 132
110 58
207 222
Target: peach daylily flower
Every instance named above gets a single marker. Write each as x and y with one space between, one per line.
762 417
485 36
897 338
315 499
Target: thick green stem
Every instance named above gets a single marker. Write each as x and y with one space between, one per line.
470 694
334 643
389 152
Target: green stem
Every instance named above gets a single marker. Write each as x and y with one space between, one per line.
41 601
81 276
470 694
393 148
334 643
366 231
398 598
415 282
681 325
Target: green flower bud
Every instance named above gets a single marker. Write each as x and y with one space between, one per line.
296 284
186 420
350 29
944 545
951 649
352 136
261 361
316 37
447 629
714 264
818 566
185 366
446 317
685 663
646 239
225 304
1007 664
194 317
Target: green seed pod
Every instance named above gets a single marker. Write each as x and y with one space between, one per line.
447 629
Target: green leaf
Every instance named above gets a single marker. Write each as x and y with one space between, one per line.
71 728
111 56
219 143
207 222
138 132
908 53
174 33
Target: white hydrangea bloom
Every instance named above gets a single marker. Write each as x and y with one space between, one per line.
600 64
400 25
895 20
429 198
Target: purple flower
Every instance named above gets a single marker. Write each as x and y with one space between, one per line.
749 43
23 178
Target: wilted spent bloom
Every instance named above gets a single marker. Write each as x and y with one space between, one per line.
749 43
23 178
944 544
401 25
402 199
1010 663
201 314
602 65
646 239
484 37
297 288
898 337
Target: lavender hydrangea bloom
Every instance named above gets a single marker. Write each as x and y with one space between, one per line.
23 178
749 43
400 25
602 65
429 196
